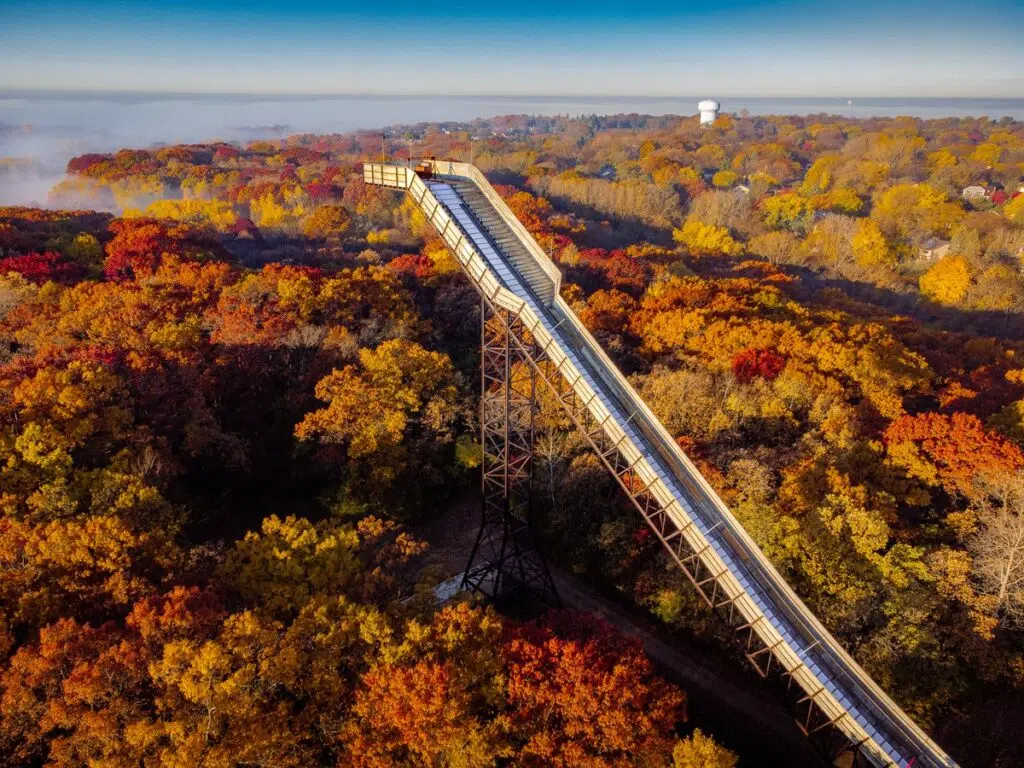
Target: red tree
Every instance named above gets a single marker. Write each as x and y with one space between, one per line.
753 364
583 694
415 265
41 267
612 269
320 191
225 152
82 163
958 445
139 245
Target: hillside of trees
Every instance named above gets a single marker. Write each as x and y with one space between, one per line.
236 378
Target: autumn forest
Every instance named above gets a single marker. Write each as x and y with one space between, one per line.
239 387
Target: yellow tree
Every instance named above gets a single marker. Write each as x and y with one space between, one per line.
327 221
839 200
948 281
370 407
267 212
699 750
291 561
95 563
394 413
724 179
223 703
914 211
943 158
987 154
788 211
820 175
870 247
1014 210
706 240
216 212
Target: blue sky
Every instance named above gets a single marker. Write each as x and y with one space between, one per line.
795 48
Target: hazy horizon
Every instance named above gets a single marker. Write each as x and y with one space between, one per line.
7 92
795 48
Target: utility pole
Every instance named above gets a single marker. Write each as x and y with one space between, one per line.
383 155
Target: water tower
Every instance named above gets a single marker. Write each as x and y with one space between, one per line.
708 111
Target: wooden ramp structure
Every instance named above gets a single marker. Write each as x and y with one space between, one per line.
531 337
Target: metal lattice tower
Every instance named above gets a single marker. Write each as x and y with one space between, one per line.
505 559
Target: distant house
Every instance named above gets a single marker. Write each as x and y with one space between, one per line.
933 249
973 192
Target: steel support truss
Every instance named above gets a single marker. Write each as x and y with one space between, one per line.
505 559
822 730
824 714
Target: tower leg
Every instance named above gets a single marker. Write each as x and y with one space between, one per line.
504 559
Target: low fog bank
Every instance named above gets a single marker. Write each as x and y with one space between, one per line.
32 161
40 132
27 182
33 157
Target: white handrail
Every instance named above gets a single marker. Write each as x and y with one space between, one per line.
472 173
